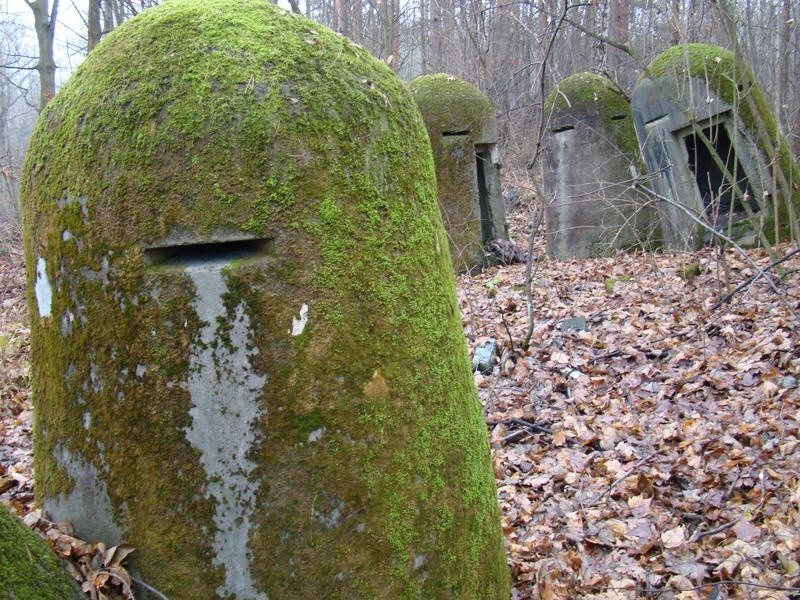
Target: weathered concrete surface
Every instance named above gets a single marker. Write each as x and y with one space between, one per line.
590 157
247 356
463 135
699 88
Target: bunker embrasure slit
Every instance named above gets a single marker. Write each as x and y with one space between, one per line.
618 117
564 128
209 252
655 120
455 133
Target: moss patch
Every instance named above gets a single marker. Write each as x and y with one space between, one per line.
598 98
29 570
204 119
735 83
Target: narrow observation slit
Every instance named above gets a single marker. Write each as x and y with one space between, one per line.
618 117
654 119
205 252
455 133
564 128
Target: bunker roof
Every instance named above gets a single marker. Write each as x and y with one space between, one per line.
448 103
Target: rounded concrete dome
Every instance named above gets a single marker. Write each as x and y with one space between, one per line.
247 356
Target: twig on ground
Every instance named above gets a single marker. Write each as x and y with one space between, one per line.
621 478
762 273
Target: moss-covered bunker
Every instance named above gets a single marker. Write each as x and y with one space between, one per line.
463 135
698 87
29 570
247 358
590 154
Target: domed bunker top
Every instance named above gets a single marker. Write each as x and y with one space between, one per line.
590 156
703 123
247 357
463 135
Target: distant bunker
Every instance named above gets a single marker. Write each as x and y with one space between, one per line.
247 356
712 147
590 160
463 134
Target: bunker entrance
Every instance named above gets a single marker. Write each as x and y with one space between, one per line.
483 161
717 188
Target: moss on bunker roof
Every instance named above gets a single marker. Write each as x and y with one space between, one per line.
450 102
714 63
585 95
587 92
179 106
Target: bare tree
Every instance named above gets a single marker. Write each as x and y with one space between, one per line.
44 22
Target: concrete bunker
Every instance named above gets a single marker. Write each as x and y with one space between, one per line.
463 135
247 356
712 147
590 160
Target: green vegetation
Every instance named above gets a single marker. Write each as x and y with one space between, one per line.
208 116
29 570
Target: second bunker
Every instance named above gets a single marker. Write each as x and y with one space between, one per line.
463 134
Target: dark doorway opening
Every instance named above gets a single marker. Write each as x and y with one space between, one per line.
483 158
717 190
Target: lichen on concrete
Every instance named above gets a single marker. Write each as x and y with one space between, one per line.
192 126
590 155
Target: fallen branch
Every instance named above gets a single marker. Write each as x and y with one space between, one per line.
621 478
727 297
699 535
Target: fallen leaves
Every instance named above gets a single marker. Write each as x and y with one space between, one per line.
97 568
676 428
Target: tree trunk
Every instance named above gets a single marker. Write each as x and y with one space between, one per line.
618 30
675 22
44 21
782 81
94 31
436 49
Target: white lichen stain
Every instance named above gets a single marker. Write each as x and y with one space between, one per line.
299 324
87 505
42 289
315 435
225 392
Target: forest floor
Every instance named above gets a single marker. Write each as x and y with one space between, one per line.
653 453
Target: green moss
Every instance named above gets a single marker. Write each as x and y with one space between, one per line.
735 83
448 103
29 570
586 94
201 117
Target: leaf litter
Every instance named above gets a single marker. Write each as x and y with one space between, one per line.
646 444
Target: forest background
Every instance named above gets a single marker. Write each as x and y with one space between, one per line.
652 453
513 50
